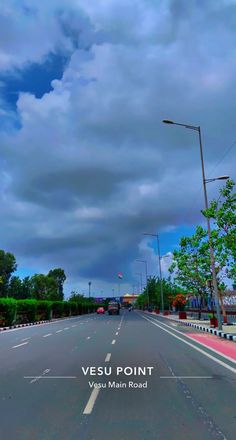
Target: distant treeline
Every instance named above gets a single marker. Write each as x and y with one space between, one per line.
39 286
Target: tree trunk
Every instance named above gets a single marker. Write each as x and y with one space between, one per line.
223 307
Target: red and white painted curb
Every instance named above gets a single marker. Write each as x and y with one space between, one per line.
24 325
40 322
220 333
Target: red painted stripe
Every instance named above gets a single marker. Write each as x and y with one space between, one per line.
221 345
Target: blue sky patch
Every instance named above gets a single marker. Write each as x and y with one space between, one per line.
35 78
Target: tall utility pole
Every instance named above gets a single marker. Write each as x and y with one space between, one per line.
160 271
89 284
205 181
145 262
141 281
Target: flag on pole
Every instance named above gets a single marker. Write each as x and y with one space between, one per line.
120 276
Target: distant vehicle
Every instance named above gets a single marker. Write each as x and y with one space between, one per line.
113 308
100 310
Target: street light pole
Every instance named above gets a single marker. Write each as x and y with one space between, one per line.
160 271
159 258
144 261
213 267
205 181
141 280
89 284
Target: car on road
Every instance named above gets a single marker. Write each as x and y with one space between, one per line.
100 310
113 308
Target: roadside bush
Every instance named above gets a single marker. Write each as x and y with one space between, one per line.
26 310
7 311
57 309
44 310
31 310
66 308
74 307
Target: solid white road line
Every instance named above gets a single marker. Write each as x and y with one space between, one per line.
223 364
20 345
186 377
108 357
200 343
89 407
113 342
58 331
49 377
49 334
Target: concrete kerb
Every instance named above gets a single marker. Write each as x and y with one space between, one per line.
24 325
38 322
219 333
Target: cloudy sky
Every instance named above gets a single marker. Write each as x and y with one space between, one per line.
86 164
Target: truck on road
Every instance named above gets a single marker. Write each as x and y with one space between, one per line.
113 308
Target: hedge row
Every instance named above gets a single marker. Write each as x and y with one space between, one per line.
29 310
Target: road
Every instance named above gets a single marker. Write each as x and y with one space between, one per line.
45 395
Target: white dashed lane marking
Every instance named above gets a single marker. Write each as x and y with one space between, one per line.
39 377
108 357
113 342
58 331
20 345
89 407
49 334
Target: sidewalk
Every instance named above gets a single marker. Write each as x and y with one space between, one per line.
228 332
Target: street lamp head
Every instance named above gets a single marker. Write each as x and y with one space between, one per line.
216 178
223 178
167 121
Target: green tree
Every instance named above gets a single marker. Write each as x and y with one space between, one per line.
52 291
153 292
59 276
15 288
7 267
39 286
44 287
76 297
223 213
26 288
192 265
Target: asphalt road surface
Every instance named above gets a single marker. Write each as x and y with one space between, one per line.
46 395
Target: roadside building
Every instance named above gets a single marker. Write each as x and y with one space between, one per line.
129 298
